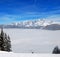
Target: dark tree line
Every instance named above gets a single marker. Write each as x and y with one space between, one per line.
5 43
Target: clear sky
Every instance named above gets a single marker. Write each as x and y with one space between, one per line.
18 10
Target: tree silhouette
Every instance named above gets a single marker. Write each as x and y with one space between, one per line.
5 43
56 50
2 40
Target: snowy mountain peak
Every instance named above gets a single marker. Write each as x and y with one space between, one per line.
34 24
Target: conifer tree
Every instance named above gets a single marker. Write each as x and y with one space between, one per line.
5 43
56 50
2 40
8 44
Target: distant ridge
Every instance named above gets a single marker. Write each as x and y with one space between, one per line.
35 24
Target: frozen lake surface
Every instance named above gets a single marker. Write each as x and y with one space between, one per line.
33 40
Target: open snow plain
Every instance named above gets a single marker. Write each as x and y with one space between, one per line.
33 40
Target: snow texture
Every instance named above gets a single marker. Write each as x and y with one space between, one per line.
8 54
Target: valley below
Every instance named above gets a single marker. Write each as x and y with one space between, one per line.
33 40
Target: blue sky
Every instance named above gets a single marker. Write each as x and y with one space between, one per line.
19 10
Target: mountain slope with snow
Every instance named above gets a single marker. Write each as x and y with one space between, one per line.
34 24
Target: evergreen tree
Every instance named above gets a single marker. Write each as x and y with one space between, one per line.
2 40
5 43
8 44
56 50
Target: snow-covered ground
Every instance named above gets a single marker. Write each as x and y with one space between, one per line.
7 54
33 40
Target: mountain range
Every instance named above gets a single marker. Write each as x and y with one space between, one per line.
33 24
